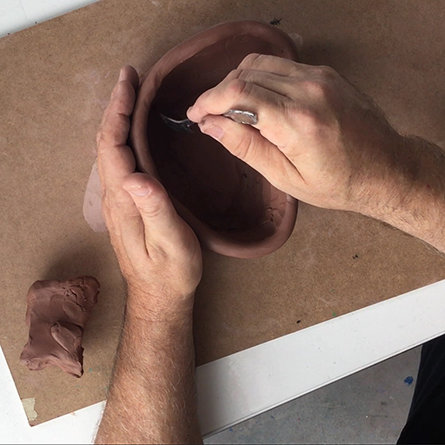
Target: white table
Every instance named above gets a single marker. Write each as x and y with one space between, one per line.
242 385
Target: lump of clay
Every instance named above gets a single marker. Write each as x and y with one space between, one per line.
232 208
57 314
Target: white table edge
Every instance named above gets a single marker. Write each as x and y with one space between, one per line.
242 385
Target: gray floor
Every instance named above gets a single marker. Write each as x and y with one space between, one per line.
368 407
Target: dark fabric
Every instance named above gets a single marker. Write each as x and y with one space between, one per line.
426 419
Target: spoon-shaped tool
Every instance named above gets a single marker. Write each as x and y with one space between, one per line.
184 125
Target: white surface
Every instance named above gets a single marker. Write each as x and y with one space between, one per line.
78 427
241 385
252 381
19 14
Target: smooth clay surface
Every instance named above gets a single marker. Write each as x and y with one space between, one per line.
233 209
57 314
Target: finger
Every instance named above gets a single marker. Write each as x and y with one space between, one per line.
119 108
164 229
271 108
263 67
233 93
247 144
115 160
272 64
130 74
267 72
275 83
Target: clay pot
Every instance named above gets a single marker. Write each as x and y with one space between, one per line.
232 208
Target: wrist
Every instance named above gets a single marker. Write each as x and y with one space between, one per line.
164 306
411 194
386 184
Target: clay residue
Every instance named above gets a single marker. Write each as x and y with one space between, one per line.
57 314
92 202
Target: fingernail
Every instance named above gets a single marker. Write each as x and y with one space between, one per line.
213 130
121 75
140 191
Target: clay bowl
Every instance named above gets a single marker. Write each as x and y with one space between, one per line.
232 208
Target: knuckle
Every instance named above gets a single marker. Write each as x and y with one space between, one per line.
241 74
238 89
318 89
155 206
237 73
243 147
152 211
327 73
252 60
114 202
294 70
234 74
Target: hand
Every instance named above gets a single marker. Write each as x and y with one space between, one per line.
317 138
158 252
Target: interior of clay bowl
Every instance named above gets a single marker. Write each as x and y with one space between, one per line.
219 190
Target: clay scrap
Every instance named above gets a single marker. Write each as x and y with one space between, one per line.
57 314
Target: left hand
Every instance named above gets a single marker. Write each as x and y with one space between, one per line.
158 253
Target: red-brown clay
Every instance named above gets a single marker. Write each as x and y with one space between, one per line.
232 208
57 314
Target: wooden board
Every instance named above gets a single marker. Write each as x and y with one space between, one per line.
55 80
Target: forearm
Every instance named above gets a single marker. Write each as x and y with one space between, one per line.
412 193
152 395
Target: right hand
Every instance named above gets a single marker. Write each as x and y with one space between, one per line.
317 138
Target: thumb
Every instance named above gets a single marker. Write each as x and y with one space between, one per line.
162 225
248 144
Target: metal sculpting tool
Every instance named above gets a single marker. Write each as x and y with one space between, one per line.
184 125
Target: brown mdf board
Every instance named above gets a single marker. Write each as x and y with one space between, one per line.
55 80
